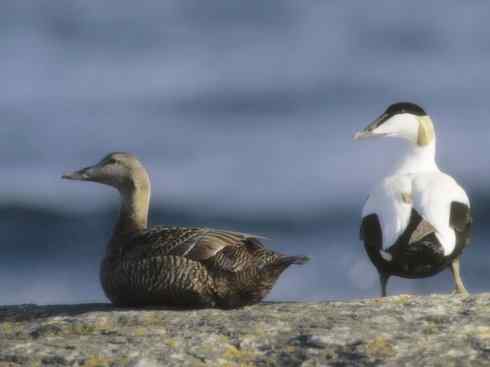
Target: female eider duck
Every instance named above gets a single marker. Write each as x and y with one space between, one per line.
416 222
188 267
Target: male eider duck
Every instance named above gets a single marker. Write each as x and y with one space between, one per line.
169 266
416 222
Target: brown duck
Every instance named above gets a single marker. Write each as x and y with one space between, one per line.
174 266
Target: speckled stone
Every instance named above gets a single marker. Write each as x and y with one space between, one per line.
396 331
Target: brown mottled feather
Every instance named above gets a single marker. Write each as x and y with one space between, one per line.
194 243
192 267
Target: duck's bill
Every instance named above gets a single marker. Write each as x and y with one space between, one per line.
81 175
369 134
362 135
370 130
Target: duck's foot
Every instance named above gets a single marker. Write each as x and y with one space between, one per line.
459 288
383 281
460 292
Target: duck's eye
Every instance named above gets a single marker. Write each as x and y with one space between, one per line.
111 161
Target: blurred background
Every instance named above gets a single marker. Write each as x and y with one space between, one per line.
243 112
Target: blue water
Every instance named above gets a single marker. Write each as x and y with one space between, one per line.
243 113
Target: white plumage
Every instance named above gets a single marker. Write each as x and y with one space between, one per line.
431 196
393 212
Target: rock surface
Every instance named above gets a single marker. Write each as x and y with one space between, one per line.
396 331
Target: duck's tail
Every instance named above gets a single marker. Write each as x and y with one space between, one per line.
290 260
252 285
280 264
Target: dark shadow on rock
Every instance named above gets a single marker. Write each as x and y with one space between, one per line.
29 312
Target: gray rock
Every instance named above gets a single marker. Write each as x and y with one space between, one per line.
396 331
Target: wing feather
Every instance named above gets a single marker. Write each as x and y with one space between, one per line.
433 197
389 203
228 250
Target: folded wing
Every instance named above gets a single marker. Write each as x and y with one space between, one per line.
439 200
226 250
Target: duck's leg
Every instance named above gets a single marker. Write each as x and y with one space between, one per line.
383 280
458 281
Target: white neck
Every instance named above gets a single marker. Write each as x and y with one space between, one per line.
416 159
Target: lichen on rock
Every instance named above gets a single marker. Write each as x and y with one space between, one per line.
405 330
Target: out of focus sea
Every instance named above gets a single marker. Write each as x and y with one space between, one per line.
243 113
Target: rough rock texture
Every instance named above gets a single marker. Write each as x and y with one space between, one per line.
396 331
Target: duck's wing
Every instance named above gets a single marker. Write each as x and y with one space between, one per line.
228 250
386 213
444 204
210 243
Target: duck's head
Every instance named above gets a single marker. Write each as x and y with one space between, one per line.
403 120
120 170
